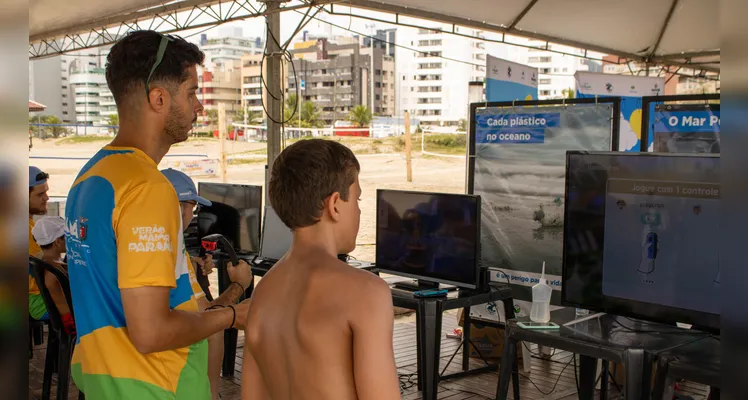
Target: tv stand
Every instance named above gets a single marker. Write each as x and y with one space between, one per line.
416 285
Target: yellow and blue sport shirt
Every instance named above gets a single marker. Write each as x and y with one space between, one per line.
124 230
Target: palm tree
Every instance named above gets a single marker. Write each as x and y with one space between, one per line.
569 93
360 115
290 108
310 114
253 117
113 120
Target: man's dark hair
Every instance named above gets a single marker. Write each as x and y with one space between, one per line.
305 174
130 61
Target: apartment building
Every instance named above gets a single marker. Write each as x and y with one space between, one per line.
555 70
225 52
433 72
220 87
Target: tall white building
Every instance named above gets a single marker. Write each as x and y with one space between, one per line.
73 86
432 88
555 71
224 53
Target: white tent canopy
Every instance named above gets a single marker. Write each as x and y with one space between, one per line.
660 31
670 32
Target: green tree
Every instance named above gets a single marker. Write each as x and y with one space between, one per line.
569 93
253 117
310 115
360 115
462 125
212 116
290 110
113 120
44 132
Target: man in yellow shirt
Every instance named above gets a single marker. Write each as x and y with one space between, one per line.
37 206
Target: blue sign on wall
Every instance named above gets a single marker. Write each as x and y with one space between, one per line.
687 121
514 128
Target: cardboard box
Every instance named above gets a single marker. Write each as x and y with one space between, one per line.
489 340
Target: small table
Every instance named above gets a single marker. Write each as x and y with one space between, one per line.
696 362
429 327
598 338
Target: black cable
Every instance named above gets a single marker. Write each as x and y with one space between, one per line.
560 374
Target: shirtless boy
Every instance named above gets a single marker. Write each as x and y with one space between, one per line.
318 328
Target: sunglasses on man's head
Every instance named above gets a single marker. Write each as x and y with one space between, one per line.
165 39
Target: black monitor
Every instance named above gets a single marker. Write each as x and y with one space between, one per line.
235 214
276 237
432 237
641 236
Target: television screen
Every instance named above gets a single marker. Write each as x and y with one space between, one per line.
641 235
235 214
429 236
276 237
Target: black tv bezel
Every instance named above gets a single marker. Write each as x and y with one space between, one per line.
476 281
702 320
259 207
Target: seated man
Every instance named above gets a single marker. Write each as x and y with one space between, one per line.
241 276
38 198
318 328
49 233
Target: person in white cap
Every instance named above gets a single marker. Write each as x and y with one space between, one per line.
49 233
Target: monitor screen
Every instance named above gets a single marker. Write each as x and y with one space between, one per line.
235 214
429 236
276 237
641 235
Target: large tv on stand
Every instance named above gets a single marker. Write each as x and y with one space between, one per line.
641 236
431 237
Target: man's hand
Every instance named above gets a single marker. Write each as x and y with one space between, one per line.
242 310
206 264
241 274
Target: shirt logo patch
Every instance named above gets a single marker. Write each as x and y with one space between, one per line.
149 239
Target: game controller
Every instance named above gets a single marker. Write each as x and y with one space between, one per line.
650 247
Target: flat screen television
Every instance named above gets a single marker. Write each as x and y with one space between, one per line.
276 237
641 236
235 214
432 237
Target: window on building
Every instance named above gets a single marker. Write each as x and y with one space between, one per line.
544 81
377 72
565 70
545 92
545 70
377 97
378 84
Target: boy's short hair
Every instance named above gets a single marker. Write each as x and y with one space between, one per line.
305 174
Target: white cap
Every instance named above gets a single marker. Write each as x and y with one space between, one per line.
48 229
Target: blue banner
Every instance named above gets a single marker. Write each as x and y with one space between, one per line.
687 121
514 128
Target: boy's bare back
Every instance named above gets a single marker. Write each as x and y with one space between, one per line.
319 329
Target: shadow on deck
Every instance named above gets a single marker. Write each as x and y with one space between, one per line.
550 378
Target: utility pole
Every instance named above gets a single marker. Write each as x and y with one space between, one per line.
371 68
408 149
274 85
221 139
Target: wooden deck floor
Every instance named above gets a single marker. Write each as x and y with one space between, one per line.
553 378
